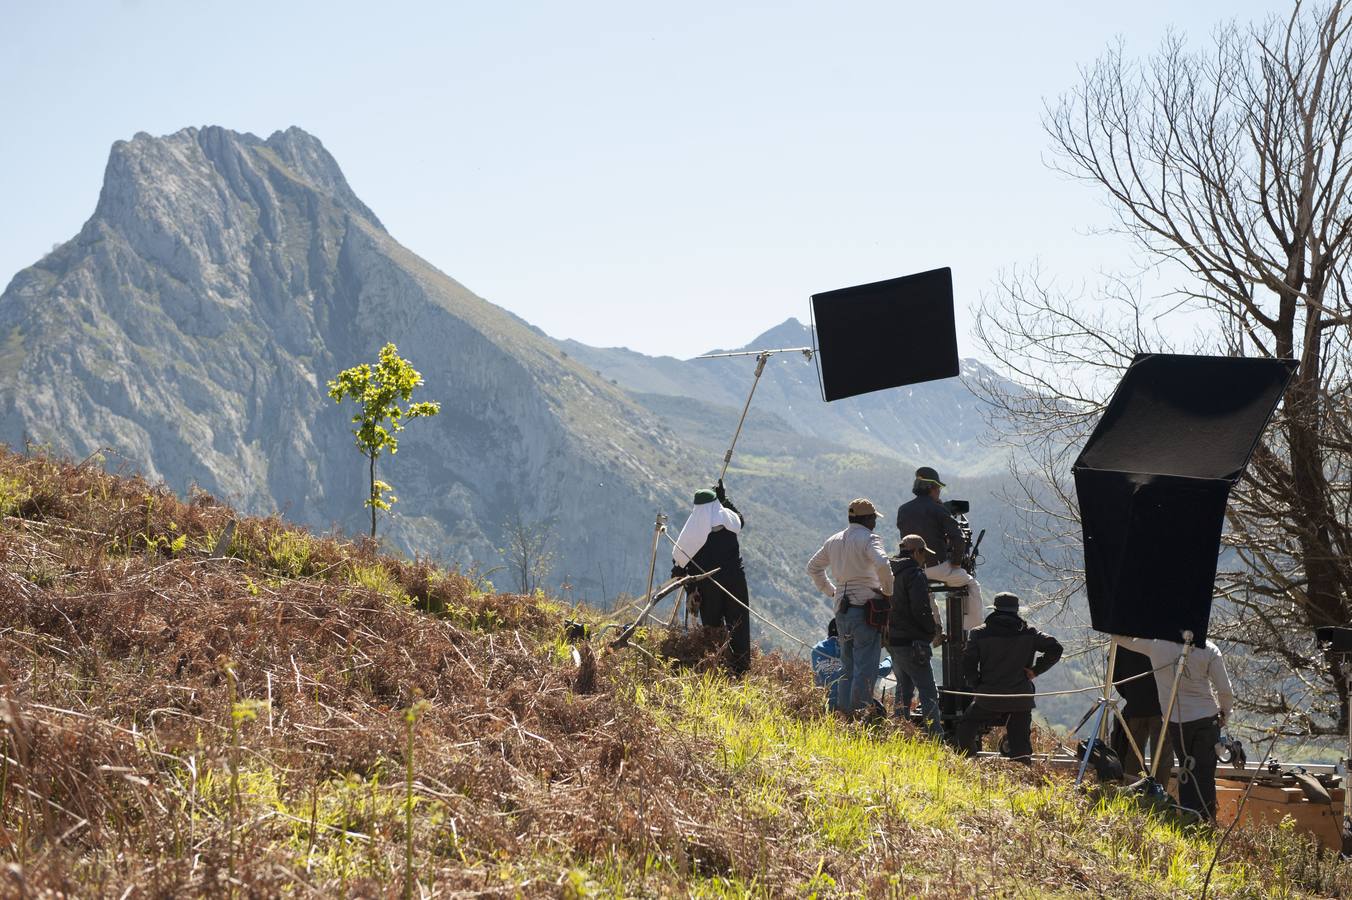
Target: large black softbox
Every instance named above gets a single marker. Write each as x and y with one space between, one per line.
1153 481
886 334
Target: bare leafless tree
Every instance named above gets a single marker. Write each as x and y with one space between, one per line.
1230 170
529 552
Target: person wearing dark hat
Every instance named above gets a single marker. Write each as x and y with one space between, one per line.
708 541
1003 656
862 571
826 666
911 630
926 516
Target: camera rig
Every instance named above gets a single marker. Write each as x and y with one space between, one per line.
951 707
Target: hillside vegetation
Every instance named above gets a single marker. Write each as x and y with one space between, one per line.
193 708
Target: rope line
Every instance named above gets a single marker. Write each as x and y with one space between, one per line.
797 640
1083 690
893 678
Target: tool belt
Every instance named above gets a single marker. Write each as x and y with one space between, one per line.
876 611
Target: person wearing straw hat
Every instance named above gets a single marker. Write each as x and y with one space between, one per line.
926 516
708 541
1003 656
862 572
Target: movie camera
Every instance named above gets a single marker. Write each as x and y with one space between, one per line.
971 556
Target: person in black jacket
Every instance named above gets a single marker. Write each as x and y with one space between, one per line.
1002 657
911 632
930 519
708 541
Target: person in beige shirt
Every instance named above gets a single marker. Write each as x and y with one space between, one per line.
860 570
1201 709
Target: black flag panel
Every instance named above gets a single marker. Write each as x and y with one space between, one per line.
1153 481
886 334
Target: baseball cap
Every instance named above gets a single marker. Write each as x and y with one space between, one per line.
863 507
914 542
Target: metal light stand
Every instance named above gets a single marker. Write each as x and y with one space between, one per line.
658 527
1347 775
1347 767
1104 712
762 356
1169 707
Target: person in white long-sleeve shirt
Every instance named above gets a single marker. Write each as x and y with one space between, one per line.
861 570
1201 708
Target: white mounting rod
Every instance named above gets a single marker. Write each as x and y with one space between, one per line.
806 351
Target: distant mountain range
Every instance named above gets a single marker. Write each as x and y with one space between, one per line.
936 421
191 324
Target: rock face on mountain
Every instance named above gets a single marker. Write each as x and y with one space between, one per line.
191 326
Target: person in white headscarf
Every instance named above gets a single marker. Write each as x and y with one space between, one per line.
708 541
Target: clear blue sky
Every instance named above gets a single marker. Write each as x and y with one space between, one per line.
668 177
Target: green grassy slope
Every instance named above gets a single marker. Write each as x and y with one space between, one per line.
304 716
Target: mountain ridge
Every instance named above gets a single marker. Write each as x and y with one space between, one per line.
192 322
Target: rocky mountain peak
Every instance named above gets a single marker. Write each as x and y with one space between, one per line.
789 333
197 172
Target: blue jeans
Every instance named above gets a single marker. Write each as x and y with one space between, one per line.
861 647
911 665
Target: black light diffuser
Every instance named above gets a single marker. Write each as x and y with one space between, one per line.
886 334
1153 480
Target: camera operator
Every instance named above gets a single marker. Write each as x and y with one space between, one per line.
930 519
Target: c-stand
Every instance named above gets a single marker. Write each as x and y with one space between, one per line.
951 706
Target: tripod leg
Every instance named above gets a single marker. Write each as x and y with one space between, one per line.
1108 686
1131 739
1173 695
1089 744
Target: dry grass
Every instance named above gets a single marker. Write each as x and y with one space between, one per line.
182 724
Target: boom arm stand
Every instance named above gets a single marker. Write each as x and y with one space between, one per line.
762 356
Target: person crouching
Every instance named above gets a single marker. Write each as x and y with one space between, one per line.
1002 657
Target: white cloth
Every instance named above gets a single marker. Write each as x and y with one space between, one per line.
1203 673
973 609
856 558
703 519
